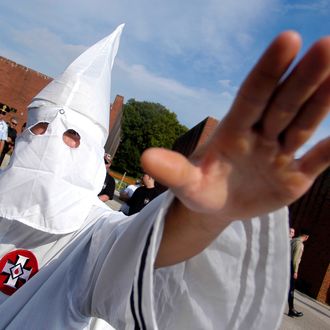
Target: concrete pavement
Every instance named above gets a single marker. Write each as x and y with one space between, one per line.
316 315
5 161
116 202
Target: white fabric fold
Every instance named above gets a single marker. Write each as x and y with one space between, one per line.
106 270
85 85
239 282
49 185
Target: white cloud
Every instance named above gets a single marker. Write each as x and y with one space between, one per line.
225 83
322 6
190 104
46 51
188 56
212 32
140 75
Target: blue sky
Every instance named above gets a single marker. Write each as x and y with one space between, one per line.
190 56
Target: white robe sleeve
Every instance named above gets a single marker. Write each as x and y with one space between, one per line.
239 282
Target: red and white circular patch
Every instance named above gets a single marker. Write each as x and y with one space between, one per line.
16 268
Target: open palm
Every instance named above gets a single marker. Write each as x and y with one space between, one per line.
248 167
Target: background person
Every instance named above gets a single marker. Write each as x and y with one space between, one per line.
297 250
291 233
143 195
10 142
3 130
109 184
126 194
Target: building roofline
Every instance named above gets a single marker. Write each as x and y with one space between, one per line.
22 67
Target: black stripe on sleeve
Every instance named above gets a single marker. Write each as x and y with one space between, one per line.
136 322
140 287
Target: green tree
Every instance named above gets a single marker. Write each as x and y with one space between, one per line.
144 125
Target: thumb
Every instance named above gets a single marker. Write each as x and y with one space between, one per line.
168 167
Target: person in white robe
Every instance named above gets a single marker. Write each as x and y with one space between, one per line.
211 253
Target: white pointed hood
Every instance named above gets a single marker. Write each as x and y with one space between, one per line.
85 85
49 185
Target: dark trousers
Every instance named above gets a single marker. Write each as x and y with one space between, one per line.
291 290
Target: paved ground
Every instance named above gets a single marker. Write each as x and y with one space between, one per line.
5 161
316 315
115 203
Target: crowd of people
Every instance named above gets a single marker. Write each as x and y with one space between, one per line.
135 196
126 194
212 252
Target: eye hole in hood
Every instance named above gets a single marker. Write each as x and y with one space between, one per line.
71 138
39 129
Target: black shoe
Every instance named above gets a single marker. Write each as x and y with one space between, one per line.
295 313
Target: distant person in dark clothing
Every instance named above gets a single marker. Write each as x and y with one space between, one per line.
10 143
297 249
109 184
143 195
126 194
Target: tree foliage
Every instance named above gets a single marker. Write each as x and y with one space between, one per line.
144 125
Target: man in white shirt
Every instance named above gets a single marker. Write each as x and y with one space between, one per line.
3 130
211 253
126 194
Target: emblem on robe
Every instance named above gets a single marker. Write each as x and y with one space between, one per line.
16 268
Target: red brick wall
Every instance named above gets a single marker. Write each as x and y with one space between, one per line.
18 85
324 293
312 211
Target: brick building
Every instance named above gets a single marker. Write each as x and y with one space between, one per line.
116 114
312 211
195 137
19 84
189 141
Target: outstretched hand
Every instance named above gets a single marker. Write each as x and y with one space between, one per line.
248 166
